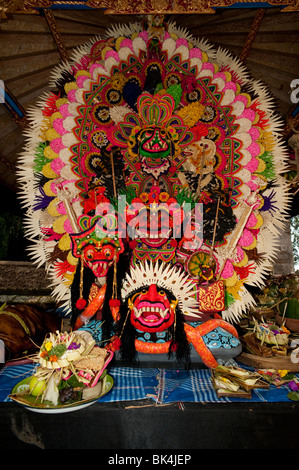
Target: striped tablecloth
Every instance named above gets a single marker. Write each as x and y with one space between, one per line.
159 384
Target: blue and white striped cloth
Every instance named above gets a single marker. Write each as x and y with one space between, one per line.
130 383
195 385
158 384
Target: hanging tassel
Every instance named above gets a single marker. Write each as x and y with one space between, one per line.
81 302
114 302
214 232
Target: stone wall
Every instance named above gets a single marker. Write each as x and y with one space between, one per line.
23 282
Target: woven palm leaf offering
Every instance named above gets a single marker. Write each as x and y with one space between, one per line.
271 328
71 370
152 180
235 381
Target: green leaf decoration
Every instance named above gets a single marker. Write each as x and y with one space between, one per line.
185 196
269 171
39 158
176 92
229 299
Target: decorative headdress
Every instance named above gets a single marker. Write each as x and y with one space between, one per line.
110 91
167 277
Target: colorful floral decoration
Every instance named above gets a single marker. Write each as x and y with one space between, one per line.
163 118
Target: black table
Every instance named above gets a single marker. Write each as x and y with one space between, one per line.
130 426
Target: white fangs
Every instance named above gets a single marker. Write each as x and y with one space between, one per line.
97 267
155 310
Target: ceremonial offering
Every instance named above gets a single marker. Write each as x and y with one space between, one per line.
71 370
235 381
271 347
271 333
72 400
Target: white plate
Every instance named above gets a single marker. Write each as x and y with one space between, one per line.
42 408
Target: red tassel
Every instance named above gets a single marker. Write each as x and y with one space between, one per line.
114 303
115 344
81 304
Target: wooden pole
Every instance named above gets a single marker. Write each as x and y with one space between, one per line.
56 34
252 33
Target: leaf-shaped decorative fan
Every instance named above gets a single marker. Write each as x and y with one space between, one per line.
157 114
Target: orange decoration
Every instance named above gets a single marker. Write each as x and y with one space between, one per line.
194 336
91 309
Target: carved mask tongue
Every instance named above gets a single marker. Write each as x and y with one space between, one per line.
99 268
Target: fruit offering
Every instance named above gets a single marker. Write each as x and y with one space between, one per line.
70 368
